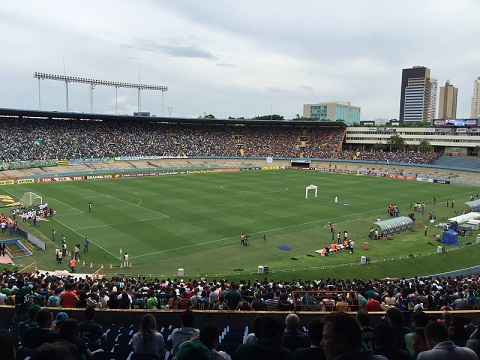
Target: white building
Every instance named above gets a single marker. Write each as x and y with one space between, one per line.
476 99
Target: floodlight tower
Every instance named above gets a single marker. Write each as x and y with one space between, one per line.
95 82
92 86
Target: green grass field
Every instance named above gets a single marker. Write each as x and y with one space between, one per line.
194 222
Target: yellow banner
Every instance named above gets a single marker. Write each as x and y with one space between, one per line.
7 182
25 181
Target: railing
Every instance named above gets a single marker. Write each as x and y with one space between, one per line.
325 300
100 273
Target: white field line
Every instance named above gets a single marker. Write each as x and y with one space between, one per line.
72 207
121 223
82 236
235 237
129 203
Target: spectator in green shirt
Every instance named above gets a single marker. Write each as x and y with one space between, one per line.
152 301
22 300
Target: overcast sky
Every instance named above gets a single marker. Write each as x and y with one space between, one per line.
235 58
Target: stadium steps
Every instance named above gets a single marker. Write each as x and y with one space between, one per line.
458 162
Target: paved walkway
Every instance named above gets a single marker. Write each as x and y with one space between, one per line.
6 259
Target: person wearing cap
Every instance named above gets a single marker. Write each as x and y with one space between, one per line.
61 316
193 349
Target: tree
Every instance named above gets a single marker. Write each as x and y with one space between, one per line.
424 146
269 117
379 146
476 150
396 142
304 118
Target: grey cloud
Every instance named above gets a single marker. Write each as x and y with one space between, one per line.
177 48
225 65
275 90
305 88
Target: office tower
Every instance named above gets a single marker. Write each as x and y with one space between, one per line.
432 108
448 101
476 99
415 99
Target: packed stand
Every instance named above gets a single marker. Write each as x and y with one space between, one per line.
403 302
69 139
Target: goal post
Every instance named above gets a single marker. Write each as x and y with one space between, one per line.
30 198
311 187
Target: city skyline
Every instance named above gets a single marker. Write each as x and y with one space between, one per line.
231 59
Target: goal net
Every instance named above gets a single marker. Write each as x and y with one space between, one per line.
30 198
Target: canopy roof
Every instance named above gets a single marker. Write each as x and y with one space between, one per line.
395 225
474 205
462 219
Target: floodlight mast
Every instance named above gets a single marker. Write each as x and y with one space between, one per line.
95 82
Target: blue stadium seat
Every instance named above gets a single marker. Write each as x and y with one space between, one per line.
106 356
123 350
143 356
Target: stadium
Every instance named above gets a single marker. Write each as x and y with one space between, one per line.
217 202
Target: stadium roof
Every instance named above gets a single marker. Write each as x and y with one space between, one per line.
474 205
395 224
57 115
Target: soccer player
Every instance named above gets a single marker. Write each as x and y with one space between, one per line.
89 207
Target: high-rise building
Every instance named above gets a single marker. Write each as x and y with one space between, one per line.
333 111
432 109
476 99
415 99
448 101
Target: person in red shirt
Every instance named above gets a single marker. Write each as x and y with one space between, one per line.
372 305
68 298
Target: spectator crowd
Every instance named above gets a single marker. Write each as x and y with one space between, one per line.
407 332
69 139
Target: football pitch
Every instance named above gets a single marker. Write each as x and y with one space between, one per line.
194 222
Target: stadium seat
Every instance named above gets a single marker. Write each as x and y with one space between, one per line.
112 333
134 328
125 330
108 345
106 356
143 356
228 348
124 339
123 350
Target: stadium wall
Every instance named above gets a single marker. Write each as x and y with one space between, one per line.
460 175
221 318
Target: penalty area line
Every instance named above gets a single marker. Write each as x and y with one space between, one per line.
255 233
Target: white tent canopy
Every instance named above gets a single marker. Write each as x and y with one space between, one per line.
311 187
462 219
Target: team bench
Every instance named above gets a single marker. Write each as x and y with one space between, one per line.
333 250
